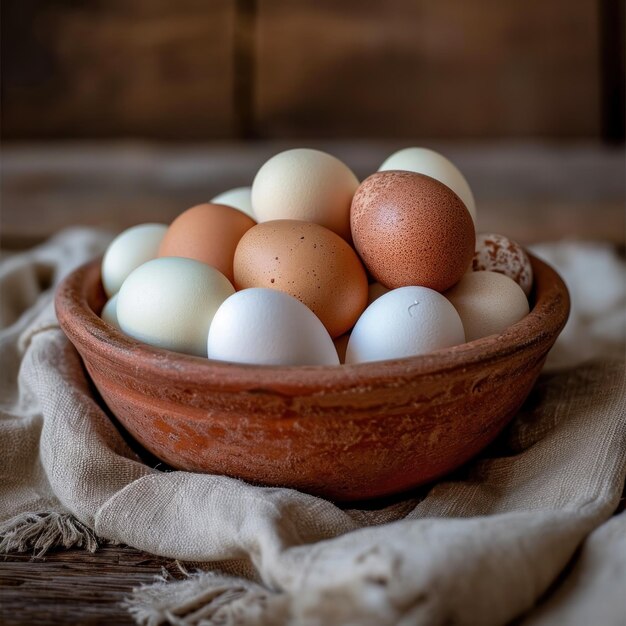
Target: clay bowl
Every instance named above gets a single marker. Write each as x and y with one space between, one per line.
347 433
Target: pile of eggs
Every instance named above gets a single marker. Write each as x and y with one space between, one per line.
311 267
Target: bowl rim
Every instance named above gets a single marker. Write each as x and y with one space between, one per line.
90 334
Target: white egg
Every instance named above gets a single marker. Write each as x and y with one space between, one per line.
435 165
404 322
307 185
109 312
129 250
239 198
169 303
268 327
488 303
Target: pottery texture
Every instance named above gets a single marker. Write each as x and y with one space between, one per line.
349 432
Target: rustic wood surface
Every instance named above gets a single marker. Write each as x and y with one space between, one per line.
73 586
274 68
442 69
528 191
138 68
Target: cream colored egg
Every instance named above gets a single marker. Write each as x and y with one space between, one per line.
128 251
435 165
239 198
267 327
488 303
404 322
109 312
307 185
170 302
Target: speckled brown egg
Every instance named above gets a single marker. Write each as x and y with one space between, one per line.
309 262
497 253
410 229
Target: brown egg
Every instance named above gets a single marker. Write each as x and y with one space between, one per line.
410 229
341 345
309 262
208 233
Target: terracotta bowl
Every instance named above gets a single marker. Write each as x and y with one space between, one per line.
347 432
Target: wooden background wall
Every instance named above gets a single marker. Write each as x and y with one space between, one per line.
240 69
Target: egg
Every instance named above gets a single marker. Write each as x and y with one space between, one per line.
268 327
208 233
309 262
129 250
431 163
411 230
307 185
170 302
374 291
341 345
239 198
497 253
487 303
404 322
109 312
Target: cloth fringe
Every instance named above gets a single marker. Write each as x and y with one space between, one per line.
205 599
41 532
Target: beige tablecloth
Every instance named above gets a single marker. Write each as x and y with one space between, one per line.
483 546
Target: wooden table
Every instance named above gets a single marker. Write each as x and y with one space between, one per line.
530 192
73 586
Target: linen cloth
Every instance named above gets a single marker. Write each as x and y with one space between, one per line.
482 546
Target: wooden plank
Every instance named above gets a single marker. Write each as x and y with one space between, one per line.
73 586
314 68
121 67
531 192
427 69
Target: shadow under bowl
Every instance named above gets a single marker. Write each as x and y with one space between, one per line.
349 432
